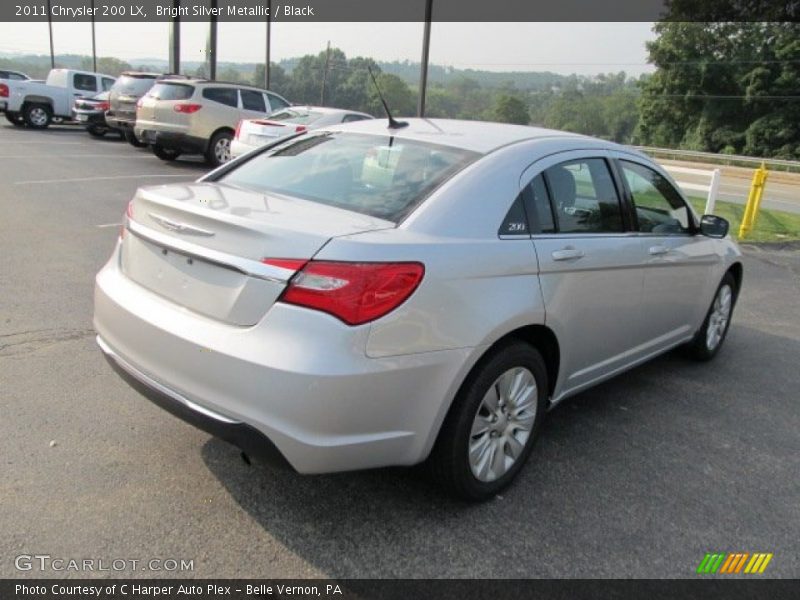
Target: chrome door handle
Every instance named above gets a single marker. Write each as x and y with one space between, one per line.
658 250
568 254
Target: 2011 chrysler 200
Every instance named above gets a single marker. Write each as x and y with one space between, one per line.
364 295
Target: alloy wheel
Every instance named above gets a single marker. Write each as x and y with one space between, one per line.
718 319
503 424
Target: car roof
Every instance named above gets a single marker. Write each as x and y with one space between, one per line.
477 136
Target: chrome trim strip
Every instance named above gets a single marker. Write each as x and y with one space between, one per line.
179 227
246 266
136 373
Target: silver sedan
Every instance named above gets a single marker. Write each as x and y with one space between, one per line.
362 295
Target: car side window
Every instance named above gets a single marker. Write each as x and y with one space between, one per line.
226 96
659 207
108 83
253 101
276 102
16 77
538 206
85 83
584 197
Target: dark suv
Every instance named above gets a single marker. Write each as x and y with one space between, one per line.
125 93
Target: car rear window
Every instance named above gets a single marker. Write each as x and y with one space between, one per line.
134 85
301 117
376 175
171 91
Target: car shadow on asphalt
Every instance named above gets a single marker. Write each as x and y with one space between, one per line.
614 458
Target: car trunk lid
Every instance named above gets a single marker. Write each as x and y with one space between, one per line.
202 245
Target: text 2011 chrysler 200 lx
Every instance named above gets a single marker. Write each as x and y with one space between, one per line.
363 295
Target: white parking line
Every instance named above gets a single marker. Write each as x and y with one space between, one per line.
104 225
52 143
77 156
78 179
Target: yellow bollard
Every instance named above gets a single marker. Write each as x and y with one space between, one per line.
753 201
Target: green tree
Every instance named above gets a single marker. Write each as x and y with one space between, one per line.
106 65
723 86
510 109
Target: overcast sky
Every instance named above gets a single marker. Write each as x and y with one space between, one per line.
586 48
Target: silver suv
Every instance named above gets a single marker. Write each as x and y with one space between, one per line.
197 116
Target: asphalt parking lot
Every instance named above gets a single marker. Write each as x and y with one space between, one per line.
639 477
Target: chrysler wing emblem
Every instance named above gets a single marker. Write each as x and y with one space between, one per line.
180 227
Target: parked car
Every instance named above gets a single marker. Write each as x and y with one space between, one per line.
5 93
91 113
197 116
125 93
361 296
39 104
253 133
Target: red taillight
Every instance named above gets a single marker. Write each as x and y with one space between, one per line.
300 128
3 90
187 108
356 293
104 106
128 216
238 129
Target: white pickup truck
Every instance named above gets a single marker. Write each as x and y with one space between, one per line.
36 104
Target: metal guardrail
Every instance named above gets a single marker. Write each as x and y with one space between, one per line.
772 163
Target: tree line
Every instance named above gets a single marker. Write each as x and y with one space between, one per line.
721 87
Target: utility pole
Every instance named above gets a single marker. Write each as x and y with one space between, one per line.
325 75
94 43
175 40
211 44
50 28
269 43
423 69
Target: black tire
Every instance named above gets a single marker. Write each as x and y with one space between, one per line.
37 116
96 132
15 119
449 463
131 138
701 348
215 154
168 154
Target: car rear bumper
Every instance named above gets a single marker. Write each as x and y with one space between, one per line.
299 378
89 118
121 120
172 140
3 105
238 148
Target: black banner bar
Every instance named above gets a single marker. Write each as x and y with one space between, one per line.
416 589
402 10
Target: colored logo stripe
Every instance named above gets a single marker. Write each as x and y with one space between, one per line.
734 562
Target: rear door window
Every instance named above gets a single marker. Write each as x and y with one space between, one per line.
584 197
171 91
226 96
253 101
85 83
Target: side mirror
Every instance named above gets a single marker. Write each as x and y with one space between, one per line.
714 226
